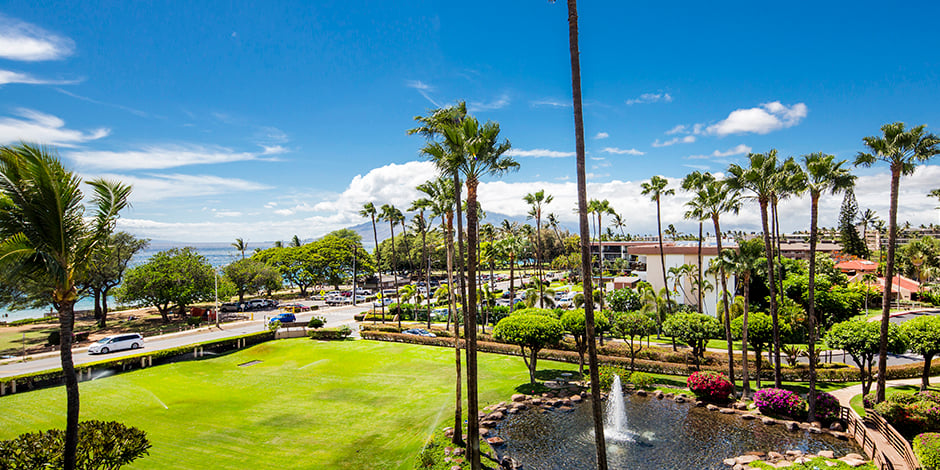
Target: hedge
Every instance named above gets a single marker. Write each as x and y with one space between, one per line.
927 449
54 377
329 334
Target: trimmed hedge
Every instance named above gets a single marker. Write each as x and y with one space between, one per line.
54 377
927 449
328 334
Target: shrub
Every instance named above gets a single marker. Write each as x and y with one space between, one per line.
780 402
53 338
330 333
929 395
101 445
710 385
869 400
927 449
316 321
827 407
641 380
606 375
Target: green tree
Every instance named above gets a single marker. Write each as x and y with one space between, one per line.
46 242
536 200
250 275
106 270
630 326
240 245
758 179
169 280
695 182
294 264
573 322
903 150
102 445
693 329
861 340
852 244
760 334
368 210
624 300
923 337
824 175
655 188
532 332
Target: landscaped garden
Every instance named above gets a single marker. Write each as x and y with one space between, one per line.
307 404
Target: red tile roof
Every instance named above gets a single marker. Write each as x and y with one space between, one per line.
858 265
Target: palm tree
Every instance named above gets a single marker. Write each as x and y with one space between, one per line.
240 245
789 180
535 201
716 198
743 262
758 179
421 224
655 188
47 242
599 208
823 174
391 214
553 223
869 217
368 210
695 181
902 150
619 223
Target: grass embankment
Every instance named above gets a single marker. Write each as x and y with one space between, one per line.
856 401
352 404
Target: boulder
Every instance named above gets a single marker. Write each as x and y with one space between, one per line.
495 441
730 461
641 393
711 407
518 397
768 421
513 411
836 426
828 454
727 411
575 399
659 394
756 452
745 459
854 456
699 403
748 416
484 432
739 405
565 409
853 462
794 453
680 399
814 430
497 415
669 395
774 455
791 426
449 432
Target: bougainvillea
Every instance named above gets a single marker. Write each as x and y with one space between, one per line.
927 448
911 413
709 385
780 402
827 407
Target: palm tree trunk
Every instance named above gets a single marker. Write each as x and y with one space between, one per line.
700 283
538 254
768 248
813 219
395 279
452 307
473 418
724 300
747 380
427 270
662 254
66 323
780 292
600 279
599 442
889 281
512 285
378 261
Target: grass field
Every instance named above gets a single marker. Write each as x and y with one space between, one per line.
353 404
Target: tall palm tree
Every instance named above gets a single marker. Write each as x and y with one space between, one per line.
392 215
618 222
655 188
553 223
902 150
716 198
536 200
695 181
240 245
599 442
757 179
46 241
368 210
599 208
869 217
789 180
421 224
743 262
823 174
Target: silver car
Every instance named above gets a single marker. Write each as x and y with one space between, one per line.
117 343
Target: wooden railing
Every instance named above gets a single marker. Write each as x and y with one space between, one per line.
897 441
858 427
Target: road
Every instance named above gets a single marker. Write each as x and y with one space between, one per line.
335 316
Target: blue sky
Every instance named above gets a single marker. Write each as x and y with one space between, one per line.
263 120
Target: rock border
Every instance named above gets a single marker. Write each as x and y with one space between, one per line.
789 458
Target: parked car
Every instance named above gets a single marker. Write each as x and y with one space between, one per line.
380 302
230 307
419 332
283 318
270 303
117 343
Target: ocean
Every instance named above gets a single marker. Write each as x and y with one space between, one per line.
217 256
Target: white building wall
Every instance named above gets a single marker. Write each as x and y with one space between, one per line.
654 275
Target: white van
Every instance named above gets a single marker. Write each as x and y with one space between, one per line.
117 343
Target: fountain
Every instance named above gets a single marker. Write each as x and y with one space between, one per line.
615 419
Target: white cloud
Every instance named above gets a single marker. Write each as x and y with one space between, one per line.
156 187
7 77
539 153
424 89
767 118
228 214
158 157
650 98
498 103
44 128
390 184
273 150
601 135
551 102
739 149
680 129
27 42
619 151
675 140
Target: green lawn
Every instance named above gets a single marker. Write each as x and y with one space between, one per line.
353 404
856 401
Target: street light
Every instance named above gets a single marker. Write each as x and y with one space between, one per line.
216 278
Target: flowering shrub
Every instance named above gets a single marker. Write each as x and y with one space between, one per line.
927 448
911 413
827 407
868 401
780 402
929 395
709 385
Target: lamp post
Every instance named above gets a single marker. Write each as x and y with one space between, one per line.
216 278
354 290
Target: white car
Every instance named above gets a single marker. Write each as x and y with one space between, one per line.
117 343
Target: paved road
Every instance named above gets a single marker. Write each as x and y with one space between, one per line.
335 317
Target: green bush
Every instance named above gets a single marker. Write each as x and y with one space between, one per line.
330 333
101 445
641 380
606 375
54 338
927 449
316 321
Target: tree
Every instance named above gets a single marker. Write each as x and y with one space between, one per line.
392 215
867 218
862 340
758 179
169 280
249 275
630 325
102 445
294 263
46 241
852 244
532 332
240 245
535 201
624 300
693 329
573 322
693 182
106 270
902 150
760 334
744 262
923 337
368 210
599 443
824 175
599 208
655 188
